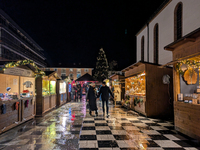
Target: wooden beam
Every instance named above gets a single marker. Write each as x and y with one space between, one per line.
190 39
169 48
136 65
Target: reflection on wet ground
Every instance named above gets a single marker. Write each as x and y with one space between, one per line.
70 127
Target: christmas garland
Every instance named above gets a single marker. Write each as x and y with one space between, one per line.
38 72
189 63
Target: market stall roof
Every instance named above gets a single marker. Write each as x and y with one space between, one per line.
191 37
86 77
116 75
136 65
52 73
25 64
131 66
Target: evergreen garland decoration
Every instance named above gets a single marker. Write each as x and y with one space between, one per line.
190 64
101 71
38 72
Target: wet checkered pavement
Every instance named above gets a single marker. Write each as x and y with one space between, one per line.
70 127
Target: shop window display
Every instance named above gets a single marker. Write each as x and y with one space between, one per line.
52 87
188 70
45 87
62 87
136 85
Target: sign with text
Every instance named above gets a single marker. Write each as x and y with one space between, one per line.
19 72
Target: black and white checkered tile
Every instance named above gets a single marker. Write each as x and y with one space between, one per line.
128 132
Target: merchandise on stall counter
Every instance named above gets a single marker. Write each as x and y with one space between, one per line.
188 71
8 95
45 87
26 93
136 85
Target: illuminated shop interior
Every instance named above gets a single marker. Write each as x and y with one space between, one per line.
135 85
53 87
45 87
62 87
188 71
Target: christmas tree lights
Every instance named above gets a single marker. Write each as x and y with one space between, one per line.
101 71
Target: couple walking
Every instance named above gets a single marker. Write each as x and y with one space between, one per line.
91 97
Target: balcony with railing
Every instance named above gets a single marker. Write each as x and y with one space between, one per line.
24 52
17 33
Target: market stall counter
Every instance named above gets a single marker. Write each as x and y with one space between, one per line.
186 73
145 91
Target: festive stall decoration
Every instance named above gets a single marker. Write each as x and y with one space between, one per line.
184 65
190 76
38 72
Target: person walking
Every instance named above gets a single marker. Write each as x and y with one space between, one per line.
91 98
104 93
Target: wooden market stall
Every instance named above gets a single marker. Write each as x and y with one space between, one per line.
118 86
186 63
61 90
46 92
17 94
146 91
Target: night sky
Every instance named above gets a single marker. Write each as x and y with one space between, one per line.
73 31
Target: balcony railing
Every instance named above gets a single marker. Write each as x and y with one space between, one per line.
21 38
24 52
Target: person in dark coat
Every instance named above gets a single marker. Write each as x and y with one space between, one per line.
79 91
91 97
104 93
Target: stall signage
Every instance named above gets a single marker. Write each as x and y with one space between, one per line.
14 81
19 72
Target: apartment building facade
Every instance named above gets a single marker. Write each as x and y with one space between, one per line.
73 73
16 44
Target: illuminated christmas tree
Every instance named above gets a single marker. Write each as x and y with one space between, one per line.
101 71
